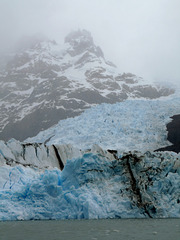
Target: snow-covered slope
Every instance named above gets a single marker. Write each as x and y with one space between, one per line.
45 82
93 186
129 125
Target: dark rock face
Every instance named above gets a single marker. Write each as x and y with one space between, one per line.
44 83
173 129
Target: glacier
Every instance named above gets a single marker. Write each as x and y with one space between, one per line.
110 169
129 125
134 185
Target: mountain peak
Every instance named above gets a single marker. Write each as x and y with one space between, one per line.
46 82
81 41
79 36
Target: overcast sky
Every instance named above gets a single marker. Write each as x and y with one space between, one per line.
139 36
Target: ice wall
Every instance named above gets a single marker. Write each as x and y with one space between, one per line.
40 156
132 185
37 155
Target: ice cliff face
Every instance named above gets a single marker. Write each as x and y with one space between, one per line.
133 185
40 156
45 82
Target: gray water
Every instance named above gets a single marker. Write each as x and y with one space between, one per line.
125 229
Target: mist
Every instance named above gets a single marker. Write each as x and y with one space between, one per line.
139 36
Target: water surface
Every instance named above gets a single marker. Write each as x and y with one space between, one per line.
125 229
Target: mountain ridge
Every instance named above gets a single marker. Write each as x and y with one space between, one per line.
45 83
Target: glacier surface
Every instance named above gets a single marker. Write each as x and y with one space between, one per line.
133 185
130 125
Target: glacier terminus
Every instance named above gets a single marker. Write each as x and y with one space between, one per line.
80 171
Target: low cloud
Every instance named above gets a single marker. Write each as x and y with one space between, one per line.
138 36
